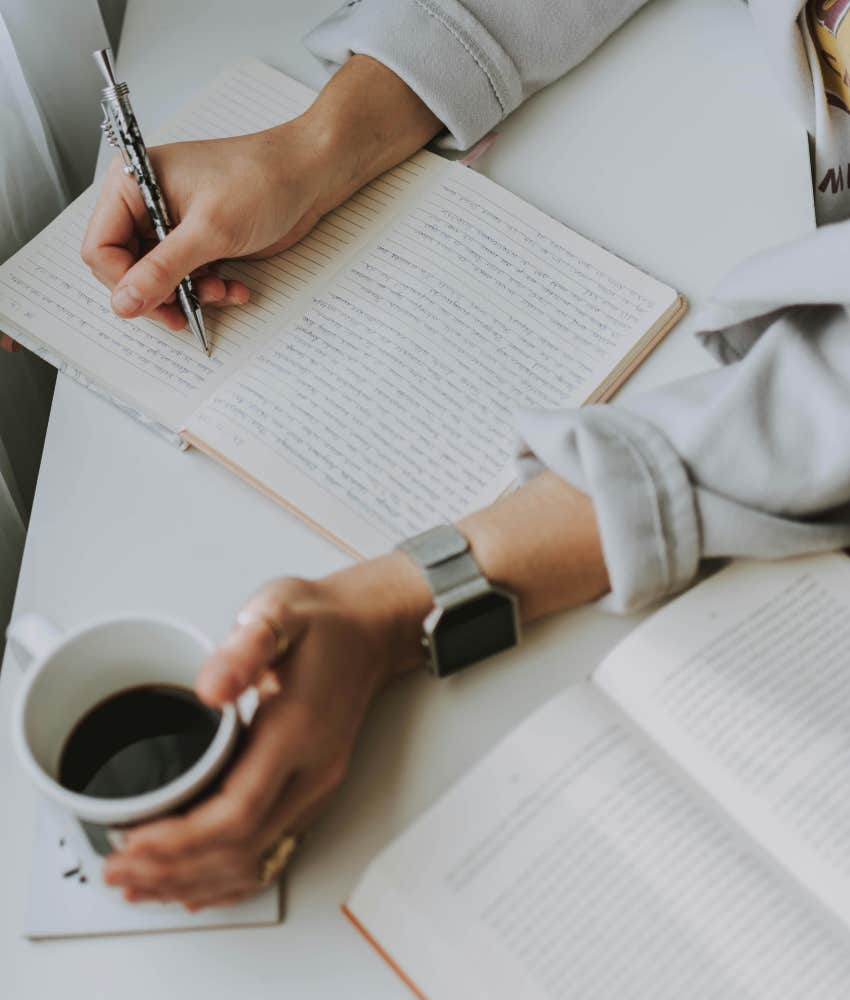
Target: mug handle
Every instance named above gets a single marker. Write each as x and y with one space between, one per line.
32 638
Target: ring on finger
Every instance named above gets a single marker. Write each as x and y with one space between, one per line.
281 639
276 858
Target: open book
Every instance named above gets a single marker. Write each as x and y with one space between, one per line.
370 384
677 827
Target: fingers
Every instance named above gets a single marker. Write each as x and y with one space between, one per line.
228 900
296 753
142 273
276 743
221 875
212 290
225 894
268 622
220 870
149 282
118 219
110 266
303 801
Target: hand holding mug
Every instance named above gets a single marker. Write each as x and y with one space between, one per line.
319 651
77 765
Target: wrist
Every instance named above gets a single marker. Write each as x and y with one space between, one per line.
543 544
364 122
389 598
305 163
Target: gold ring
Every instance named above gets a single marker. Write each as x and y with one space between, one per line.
281 639
276 858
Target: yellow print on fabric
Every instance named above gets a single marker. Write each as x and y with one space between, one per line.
830 28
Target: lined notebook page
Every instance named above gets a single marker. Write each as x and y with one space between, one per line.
49 296
387 405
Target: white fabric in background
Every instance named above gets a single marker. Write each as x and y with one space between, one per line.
31 194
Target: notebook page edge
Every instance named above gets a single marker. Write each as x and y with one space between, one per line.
158 410
127 406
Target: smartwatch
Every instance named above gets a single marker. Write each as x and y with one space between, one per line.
472 618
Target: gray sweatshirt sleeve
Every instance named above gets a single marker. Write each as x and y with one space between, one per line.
473 62
752 459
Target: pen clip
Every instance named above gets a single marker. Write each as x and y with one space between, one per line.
108 130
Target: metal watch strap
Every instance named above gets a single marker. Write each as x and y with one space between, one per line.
444 556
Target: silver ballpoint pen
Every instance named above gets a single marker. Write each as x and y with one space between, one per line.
123 133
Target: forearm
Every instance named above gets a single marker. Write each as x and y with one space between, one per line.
749 460
471 61
364 122
541 543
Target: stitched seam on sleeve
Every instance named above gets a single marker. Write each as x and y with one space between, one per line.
648 483
661 503
454 30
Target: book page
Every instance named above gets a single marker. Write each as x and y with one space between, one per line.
388 405
745 682
571 863
48 296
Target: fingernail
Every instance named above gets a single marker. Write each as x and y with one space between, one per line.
126 300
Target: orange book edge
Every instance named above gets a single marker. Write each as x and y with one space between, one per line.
385 955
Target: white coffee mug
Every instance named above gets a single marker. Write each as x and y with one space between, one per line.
67 675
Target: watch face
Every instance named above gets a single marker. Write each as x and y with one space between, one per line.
473 631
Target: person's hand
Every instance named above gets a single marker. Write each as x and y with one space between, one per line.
249 196
7 344
347 634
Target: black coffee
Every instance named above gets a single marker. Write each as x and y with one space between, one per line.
137 741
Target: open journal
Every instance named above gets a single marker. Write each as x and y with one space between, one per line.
679 826
370 383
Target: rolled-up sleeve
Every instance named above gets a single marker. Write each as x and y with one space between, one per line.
752 459
474 62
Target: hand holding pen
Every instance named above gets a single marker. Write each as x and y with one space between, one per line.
249 196
130 244
122 131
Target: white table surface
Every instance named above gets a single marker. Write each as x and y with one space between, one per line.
671 147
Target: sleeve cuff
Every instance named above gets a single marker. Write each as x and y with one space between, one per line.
438 48
644 501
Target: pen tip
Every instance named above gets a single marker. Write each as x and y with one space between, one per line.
200 331
194 316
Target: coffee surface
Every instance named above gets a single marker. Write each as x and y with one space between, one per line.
136 741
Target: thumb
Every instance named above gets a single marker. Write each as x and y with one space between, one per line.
265 629
153 279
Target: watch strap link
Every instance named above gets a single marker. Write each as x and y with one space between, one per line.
471 618
444 556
